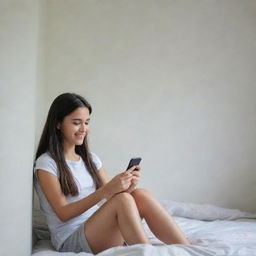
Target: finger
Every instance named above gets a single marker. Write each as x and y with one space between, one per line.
135 180
136 168
126 173
127 180
136 174
132 168
127 177
134 177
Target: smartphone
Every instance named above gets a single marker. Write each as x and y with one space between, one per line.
134 161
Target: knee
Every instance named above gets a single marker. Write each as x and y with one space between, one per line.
140 194
123 198
142 198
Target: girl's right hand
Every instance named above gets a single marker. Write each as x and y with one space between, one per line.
119 183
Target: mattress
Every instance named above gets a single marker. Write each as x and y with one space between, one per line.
211 230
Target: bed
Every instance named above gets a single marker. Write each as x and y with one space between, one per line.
211 230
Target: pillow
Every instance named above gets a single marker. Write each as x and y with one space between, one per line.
40 228
206 212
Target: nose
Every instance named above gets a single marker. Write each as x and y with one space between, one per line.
83 128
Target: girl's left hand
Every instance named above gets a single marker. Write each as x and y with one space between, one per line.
135 179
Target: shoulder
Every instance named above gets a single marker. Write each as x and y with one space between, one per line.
46 162
96 160
45 159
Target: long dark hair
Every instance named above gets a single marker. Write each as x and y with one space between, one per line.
51 141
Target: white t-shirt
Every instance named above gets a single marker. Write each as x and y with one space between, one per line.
60 230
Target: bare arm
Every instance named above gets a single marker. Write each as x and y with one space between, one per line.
65 210
103 176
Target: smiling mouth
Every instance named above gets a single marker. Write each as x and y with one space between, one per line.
80 135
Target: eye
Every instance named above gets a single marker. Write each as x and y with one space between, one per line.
75 123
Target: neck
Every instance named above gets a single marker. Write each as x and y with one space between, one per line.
69 152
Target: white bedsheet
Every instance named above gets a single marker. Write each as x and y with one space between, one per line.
226 233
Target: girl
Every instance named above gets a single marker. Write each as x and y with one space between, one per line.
70 182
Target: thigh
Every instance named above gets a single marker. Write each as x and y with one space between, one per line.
101 229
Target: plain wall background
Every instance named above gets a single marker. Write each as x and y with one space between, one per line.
170 81
19 29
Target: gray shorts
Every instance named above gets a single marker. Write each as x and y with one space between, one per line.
76 242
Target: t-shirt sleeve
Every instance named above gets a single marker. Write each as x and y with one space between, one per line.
46 163
96 161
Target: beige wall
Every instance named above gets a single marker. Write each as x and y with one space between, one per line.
170 81
18 81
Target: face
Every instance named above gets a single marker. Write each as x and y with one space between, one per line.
75 126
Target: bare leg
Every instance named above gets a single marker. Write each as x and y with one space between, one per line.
159 221
118 220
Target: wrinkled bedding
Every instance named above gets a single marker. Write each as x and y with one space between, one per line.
211 230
